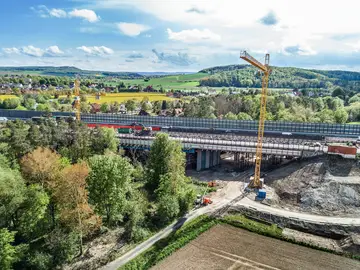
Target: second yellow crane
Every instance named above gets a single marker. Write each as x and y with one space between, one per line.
77 99
265 69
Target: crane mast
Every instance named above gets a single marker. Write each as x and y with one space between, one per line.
77 98
265 69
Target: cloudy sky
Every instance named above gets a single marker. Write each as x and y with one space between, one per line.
173 35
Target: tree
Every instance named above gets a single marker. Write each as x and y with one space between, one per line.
341 116
85 107
29 103
165 156
103 140
12 189
42 166
230 116
32 210
9 254
338 92
104 108
44 107
11 103
72 198
244 116
168 208
130 105
109 196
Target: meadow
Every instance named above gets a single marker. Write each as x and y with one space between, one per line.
187 81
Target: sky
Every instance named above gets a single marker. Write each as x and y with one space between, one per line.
173 35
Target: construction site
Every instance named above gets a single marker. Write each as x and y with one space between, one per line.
314 200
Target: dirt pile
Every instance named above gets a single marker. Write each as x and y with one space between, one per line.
327 186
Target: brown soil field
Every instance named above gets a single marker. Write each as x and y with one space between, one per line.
227 247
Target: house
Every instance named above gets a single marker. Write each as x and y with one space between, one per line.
122 109
95 108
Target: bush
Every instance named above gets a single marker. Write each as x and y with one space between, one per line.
39 261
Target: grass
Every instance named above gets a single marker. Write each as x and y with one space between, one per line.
187 81
165 247
253 226
354 123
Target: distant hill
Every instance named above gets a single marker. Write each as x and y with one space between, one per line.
66 71
281 77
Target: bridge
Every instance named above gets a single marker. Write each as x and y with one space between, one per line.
272 128
207 151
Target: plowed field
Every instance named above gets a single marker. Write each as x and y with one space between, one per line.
227 247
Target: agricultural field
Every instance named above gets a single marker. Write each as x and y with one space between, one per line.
121 97
3 97
227 247
188 81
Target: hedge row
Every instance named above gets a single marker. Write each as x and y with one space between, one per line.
165 247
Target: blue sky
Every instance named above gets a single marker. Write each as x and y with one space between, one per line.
173 35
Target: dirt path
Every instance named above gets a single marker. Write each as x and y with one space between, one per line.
227 247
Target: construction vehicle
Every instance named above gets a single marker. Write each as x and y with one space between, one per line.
146 131
255 182
202 200
212 183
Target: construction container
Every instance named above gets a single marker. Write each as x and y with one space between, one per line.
342 150
125 130
261 194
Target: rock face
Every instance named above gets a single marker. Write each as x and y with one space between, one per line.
327 186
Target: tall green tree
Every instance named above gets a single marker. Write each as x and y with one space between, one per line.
109 196
165 156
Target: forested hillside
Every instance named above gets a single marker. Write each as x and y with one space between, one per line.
281 77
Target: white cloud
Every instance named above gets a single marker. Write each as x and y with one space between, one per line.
58 13
132 29
95 50
11 50
32 51
193 36
86 14
52 51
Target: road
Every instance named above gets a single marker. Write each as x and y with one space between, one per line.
230 194
221 199
350 221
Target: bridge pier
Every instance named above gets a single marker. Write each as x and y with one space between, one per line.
206 159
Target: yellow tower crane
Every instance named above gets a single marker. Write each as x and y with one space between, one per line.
265 69
77 98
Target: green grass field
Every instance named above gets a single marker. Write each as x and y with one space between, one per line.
187 81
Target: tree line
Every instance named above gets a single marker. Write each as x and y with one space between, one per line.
62 184
248 76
